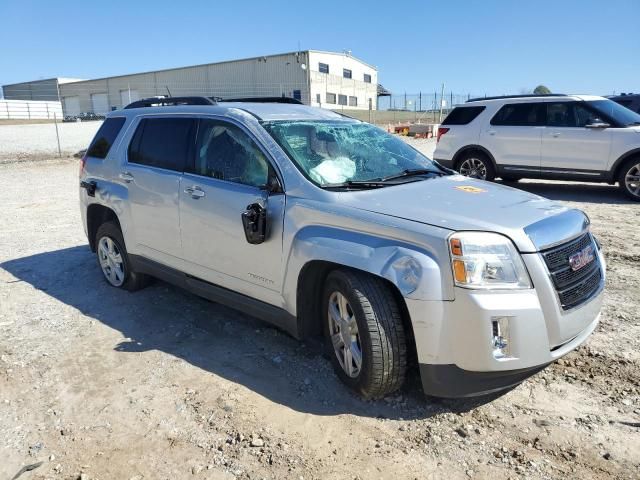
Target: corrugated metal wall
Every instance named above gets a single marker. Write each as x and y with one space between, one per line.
263 76
41 90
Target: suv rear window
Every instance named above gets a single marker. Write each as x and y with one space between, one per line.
163 143
462 115
520 114
105 137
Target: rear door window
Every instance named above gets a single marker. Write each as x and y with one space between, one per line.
163 143
462 115
105 137
520 114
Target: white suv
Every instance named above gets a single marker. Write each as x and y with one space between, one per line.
558 137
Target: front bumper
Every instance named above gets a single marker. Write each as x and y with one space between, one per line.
454 338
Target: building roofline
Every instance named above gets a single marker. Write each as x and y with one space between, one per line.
218 63
342 54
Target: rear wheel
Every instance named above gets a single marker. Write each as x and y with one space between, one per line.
629 179
476 165
364 332
114 260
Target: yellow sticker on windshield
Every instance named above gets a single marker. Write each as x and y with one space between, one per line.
470 189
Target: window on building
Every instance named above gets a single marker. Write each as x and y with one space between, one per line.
367 78
342 99
331 98
297 94
105 137
163 143
224 151
323 67
353 101
346 73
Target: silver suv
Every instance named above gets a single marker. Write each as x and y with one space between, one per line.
324 225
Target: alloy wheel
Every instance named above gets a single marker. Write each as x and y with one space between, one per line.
343 331
111 261
632 180
474 168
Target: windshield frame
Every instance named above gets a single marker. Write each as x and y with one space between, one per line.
346 186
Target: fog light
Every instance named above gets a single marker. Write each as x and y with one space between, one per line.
500 336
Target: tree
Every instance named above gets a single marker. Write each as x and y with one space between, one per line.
541 90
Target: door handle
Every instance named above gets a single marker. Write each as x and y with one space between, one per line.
555 134
491 132
126 176
195 192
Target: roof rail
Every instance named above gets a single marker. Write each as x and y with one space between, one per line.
165 101
294 101
533 95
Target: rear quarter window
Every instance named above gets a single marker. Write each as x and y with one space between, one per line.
105 137
463 115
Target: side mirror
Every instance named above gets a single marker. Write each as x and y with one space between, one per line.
272 185
597 123
254 221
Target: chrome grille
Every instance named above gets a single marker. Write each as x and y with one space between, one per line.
573 286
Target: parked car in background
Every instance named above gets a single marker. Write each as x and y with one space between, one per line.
321 224
629 100
561 137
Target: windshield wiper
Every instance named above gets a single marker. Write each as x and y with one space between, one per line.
357 184
412 173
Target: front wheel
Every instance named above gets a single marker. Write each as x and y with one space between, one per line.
629 179
364 332
476 165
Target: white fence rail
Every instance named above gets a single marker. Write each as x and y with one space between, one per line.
30 110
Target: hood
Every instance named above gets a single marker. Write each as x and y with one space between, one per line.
461 203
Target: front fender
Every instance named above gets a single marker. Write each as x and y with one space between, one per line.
379 256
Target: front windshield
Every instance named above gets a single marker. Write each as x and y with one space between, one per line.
339 152
617 112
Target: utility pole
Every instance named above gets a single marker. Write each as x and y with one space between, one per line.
441 101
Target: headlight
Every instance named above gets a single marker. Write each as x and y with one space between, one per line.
484 260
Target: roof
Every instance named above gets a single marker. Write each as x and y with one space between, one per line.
262 111
226 61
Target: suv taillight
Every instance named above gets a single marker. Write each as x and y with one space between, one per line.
441 132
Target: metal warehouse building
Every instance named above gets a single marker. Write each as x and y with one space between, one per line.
325 79
47 90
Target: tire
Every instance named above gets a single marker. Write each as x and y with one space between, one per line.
629 178
380 336
110 248
476 164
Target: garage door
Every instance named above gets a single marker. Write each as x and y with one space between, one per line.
71 105
100 103
128 96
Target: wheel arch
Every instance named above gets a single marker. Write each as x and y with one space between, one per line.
97 214
319 250
617 165
470 148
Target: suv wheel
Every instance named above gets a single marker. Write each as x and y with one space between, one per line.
114 261
476 165
629 179
364 332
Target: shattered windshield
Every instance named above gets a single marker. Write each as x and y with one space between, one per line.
340 152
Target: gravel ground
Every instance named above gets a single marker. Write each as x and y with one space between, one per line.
38 141
97 383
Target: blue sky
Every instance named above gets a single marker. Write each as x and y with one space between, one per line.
485 47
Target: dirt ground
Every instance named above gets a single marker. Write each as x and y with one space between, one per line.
97 383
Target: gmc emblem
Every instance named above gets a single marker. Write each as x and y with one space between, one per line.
581 258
